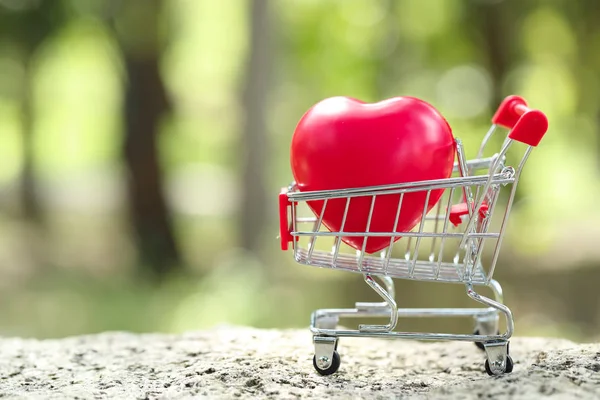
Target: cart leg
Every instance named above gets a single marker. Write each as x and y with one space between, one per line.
510 324
488 324
326 359
496 348
389 288
389 303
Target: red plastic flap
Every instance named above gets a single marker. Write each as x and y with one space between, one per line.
458 210
285 236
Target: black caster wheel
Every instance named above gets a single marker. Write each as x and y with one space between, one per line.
508 370
335 365
480 345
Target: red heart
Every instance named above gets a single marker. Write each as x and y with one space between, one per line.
342 142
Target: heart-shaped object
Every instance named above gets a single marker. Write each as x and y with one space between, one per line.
342 143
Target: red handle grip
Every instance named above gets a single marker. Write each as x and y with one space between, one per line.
284 227
527 126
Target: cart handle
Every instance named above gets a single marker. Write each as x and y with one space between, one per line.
285 235
527 125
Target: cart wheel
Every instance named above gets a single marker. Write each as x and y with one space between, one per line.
508 370
480 345
335 365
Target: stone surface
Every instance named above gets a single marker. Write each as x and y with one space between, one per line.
233 362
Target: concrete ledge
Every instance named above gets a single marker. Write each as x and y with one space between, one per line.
234 362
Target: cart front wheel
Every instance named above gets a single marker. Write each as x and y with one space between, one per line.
332 369
507 370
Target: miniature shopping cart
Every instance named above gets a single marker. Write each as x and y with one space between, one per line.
446 246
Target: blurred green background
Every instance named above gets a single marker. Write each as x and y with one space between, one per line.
143 144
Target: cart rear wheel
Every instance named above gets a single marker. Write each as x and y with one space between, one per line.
332 369
508 370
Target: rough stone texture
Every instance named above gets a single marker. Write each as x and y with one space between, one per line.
248 363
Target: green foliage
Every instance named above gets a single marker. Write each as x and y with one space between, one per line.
360 48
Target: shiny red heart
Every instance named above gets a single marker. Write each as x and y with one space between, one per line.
342 142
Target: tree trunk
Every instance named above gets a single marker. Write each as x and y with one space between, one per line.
254 142
496 40
496 22
388 63
585 21
146 102
31 209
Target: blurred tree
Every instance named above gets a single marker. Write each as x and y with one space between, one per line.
389 52
492 21
137 26
254 146
584 16
27 24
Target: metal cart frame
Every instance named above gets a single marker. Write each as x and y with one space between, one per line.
466 221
